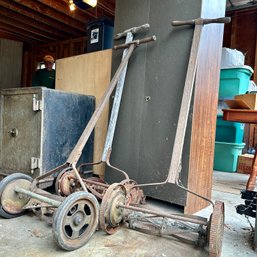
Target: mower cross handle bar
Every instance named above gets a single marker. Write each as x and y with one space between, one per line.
136 42
201 21
133 30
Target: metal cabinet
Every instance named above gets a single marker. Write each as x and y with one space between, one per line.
40 127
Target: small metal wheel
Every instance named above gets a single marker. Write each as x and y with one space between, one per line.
216 230
64 182
12 203
111 216
75 220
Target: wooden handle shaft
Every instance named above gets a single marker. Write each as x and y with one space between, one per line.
201 21
136 42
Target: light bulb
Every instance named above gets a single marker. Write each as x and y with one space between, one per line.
72 5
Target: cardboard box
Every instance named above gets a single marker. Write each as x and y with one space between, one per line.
249 99
244 163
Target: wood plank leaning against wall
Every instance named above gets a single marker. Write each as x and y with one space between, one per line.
205 108
88 74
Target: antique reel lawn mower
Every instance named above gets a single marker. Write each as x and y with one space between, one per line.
75 210
117 208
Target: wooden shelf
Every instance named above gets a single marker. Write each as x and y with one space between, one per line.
240 115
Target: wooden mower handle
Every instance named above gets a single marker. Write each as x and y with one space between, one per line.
136 42
201 21
133 30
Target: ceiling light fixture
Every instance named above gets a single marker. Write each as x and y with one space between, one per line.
92 3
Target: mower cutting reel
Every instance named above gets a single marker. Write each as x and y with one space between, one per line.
196 230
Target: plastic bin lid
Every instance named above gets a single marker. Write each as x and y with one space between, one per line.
239 67
240 145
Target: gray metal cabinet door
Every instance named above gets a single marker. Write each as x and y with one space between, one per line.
21 129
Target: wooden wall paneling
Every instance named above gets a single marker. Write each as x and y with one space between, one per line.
205 107
254 136
243 34
251 135
227 34
88 74
245 28
255 62
10 63
66 48
246 140
233 30
25 67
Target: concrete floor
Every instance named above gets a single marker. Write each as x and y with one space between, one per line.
28 236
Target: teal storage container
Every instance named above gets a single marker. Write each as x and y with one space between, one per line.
234 81
226 155
230 132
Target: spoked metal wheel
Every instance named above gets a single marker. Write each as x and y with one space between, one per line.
75 220
216 230
111 215
12 203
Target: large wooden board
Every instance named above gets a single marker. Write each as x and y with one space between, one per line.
88 74
205 107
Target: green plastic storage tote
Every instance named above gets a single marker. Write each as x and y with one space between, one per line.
225 156
230 132
234 81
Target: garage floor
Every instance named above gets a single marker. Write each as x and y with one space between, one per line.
28 236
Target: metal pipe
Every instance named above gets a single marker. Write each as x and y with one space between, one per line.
51 172
113 167
41 198
79 178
